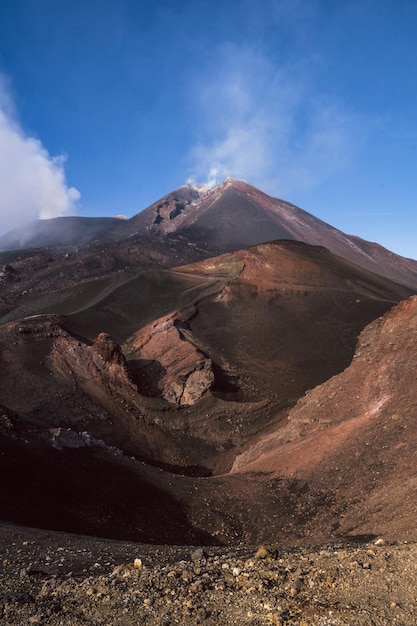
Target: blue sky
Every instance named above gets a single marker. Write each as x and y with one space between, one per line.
107 105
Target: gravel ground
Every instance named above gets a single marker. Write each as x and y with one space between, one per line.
60 579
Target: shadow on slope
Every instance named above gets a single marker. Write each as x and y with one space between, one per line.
356 434
89 491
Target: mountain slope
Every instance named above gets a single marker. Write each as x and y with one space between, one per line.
357 433
230 216
226 344
236 215
342 467
58 230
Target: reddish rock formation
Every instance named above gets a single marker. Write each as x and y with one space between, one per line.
166 354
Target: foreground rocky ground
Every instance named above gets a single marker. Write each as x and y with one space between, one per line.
61 579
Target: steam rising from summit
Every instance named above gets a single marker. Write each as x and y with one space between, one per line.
250 110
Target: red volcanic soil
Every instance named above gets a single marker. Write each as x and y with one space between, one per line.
129 398
355 435
235 215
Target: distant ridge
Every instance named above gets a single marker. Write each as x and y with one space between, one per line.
57 231
231 216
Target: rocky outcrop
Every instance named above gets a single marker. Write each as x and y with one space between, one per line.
110 351
6 422
194 384
170 362
61 438
99 369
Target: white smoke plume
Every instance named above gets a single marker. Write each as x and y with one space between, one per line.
32 182
267 124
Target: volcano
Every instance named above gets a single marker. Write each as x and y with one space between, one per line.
200 363
228 217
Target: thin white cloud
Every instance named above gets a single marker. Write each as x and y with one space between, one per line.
266 123
32 182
